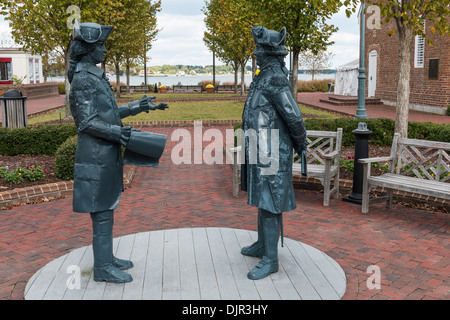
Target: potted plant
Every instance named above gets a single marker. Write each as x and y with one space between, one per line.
163 89
209 88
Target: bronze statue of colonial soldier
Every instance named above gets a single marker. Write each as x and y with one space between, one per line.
272 120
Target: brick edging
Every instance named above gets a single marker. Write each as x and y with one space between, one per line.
180 123
56 190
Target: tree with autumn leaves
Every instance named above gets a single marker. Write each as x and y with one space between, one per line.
306 22
229 23
308 30
412 17
228 34
44 26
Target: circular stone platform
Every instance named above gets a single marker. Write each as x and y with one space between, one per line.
194 264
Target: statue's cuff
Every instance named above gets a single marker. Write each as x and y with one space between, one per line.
125 134
115 133
134 107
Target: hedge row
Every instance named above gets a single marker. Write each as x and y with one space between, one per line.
46 139
43 140
383 129
314 85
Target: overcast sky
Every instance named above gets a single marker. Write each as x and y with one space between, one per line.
180 40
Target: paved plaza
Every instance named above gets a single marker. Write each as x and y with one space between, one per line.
408 248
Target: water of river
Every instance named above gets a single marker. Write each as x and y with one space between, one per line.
192 80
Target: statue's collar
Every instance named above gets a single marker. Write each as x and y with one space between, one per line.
83 66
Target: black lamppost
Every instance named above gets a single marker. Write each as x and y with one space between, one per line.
362 135
361 111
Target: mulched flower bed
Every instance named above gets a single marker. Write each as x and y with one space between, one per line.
13 162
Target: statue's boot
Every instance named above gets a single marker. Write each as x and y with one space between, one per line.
269 262
102 245
257 248
121 264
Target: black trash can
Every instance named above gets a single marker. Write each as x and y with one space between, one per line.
14 109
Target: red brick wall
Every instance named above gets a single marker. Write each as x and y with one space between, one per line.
424 91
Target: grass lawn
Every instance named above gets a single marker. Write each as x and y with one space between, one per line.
162 96
190 110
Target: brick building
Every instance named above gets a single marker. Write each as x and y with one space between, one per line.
430 69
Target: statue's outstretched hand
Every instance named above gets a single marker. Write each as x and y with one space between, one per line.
162 106
147 104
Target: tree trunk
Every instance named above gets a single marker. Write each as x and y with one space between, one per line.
214 72
403 87
242 78
236 71
128 76
117 80
294 84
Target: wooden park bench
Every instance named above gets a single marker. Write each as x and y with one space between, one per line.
323 158
225 87
196 88
415 166
230 87
134 89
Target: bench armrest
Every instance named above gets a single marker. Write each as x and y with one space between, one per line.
376 159
331 155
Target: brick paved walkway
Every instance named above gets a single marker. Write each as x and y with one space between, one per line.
372 111
39 105
410 246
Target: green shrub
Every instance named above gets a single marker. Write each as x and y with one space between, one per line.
43 140
314 85
382 129
65 159
62 87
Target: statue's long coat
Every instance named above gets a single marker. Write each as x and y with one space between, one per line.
270 106
98 172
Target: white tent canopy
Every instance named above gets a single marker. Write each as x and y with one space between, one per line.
347 79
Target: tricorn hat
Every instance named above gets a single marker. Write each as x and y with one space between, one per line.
91 32
272 41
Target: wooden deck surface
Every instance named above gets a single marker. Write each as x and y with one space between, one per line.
192 264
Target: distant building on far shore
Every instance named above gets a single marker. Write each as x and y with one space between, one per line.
14 62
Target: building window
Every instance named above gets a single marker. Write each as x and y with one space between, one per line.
419 52
31 70
433 69
5 71
36 69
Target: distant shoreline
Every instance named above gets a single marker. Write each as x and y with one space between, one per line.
171 80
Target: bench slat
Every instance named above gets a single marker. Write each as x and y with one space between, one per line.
410 184
314 170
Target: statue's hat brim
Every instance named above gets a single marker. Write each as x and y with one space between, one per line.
91 32
265 37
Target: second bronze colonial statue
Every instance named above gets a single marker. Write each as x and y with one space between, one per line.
98 172
270 108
